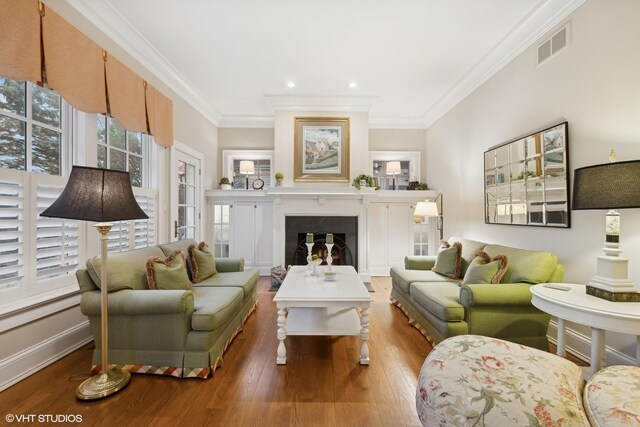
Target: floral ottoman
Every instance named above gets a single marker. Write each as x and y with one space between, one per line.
612 397
470 380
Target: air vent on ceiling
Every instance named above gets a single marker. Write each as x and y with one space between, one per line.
553 45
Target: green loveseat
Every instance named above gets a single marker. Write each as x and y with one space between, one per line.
440 308
182 333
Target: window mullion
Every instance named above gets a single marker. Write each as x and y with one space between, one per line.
29 130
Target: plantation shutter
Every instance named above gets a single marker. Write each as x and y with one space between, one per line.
145 229
12 229
57 239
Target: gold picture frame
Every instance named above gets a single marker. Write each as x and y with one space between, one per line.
321 149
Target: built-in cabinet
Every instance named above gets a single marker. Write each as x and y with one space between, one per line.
252 234
251 224
390 232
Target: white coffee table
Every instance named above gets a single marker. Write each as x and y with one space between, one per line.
309 305
574 305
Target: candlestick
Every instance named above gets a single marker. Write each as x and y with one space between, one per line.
309 238
309 247
329 257
329 239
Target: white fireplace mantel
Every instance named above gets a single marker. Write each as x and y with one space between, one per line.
320 201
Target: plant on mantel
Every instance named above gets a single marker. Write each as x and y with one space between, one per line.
363 177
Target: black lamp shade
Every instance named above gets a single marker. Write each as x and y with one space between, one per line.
94 194
607 186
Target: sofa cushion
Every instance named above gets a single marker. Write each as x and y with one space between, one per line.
448 260
403 277
247 280
610 397
201 262
169 273
484 269
469 250
525 266
179 245
214 306
126 270
439 298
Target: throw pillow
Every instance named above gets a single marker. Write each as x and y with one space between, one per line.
201 262
484 269
449 260
168 273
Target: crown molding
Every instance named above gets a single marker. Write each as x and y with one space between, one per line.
383 123
547 15
114 25
320 102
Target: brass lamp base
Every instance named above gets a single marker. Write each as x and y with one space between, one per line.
103 384
613 296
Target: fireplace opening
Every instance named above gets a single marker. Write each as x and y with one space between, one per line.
345 239
340 252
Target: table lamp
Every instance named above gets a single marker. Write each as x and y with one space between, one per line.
429 208
609 186
393 169
102 196
247 168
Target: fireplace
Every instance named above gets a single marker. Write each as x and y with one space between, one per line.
345 239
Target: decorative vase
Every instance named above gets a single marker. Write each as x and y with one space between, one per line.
278 182
225 186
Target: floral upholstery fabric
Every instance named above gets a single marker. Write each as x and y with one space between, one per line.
470 380
612 397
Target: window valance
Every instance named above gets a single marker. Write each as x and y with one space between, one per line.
37 45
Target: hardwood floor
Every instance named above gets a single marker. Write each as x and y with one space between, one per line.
322 384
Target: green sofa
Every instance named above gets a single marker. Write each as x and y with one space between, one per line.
181 333
440 308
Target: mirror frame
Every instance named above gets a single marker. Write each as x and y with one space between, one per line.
526 180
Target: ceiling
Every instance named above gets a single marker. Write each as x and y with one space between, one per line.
410 60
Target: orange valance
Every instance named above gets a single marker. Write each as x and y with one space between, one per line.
78 69
126 96
20 40
159 116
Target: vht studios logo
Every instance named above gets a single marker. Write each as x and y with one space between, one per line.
43 418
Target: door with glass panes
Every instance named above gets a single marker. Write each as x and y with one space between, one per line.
185 200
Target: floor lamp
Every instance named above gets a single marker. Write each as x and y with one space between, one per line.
429 208
99 195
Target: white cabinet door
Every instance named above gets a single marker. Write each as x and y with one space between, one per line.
242 223
377 233
252 234
263 216
399 234
389 233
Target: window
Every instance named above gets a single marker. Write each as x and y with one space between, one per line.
221 230
262 160
36 254
409 165
31 128
120 149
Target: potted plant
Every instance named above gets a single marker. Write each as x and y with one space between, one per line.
363 180
225 184
279 177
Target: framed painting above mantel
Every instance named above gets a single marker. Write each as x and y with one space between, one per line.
526 181
321 149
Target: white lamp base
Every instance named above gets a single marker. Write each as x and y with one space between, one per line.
611 281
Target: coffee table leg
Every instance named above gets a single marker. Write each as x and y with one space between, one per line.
364 336
282 334
597 350
560 351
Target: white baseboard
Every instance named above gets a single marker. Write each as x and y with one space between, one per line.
20 365
579 345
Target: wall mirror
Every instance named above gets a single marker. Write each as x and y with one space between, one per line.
526 181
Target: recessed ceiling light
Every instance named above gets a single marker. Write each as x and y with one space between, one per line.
352 84
291 84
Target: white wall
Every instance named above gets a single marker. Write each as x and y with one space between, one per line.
284 144
594 85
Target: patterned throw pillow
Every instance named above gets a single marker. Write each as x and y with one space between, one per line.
201 262
449 260
168 273
484 269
